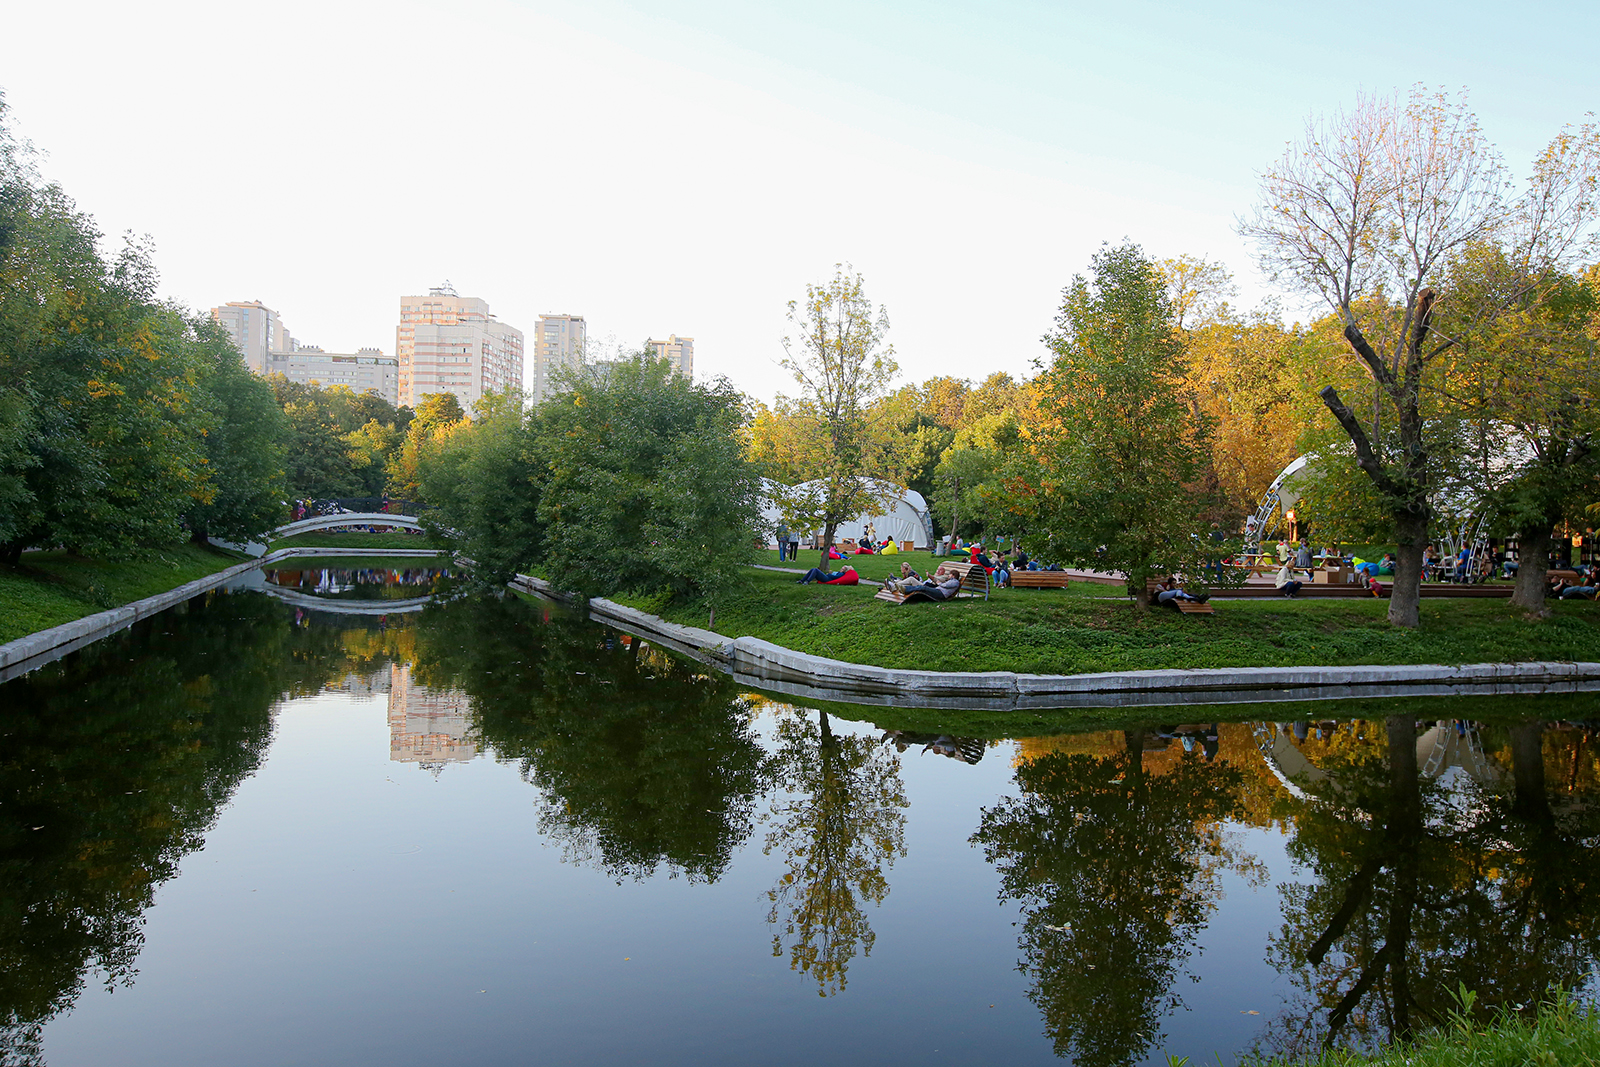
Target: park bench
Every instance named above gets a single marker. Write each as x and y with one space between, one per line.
974 580
1189 607
1039 579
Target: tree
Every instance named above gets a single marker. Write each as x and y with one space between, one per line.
435 416
244 446
1119 451
841 363
645 484
1368 210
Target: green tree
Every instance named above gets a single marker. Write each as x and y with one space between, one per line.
243 447
436 415
1119 452
645 484
842 365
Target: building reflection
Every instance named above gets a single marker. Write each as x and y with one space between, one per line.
427 726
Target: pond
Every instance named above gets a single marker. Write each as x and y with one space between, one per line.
252 831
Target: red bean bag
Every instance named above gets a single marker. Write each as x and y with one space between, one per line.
863 551
849 577
833 553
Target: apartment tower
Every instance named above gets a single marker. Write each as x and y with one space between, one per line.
559 345
451 344
255 330
678 351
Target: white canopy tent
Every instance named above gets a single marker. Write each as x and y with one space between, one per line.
902 516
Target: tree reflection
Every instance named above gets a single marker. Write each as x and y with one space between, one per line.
1115 869
115 763
641 760
840 825
1423 885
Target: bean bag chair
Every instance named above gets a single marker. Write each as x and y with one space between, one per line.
890 549
833 553
863 551
849 577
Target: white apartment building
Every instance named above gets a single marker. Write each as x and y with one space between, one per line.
362 370
447 343
678 351
558 344
255 329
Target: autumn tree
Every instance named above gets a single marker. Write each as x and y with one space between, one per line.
1368 210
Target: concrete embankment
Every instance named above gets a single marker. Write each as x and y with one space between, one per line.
45 646
764 665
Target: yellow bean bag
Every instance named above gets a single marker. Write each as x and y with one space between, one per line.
890 549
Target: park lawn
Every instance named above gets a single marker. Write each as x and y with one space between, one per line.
358 539
1087 628
50 588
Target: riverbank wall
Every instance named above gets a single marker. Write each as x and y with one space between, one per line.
764 665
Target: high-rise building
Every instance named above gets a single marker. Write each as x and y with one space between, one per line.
559 345
255 329
678 351
451 344
362 370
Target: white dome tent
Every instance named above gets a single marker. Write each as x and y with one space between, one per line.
900 513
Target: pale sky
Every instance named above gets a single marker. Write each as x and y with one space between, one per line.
687 168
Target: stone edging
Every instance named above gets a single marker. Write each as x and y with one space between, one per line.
45 646
772 667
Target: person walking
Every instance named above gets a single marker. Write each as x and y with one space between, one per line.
782 534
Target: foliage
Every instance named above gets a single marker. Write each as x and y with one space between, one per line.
340 443
644 485
1119 455
244 453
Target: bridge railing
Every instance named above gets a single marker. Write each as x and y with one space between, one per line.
364 504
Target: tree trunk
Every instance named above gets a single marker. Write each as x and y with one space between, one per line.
1533 567
828 530
955 509
1411 531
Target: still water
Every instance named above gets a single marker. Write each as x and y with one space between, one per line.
253 831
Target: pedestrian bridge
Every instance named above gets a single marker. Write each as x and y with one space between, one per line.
339 520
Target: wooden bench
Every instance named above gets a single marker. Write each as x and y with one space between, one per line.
1039 579
1188 607
974 580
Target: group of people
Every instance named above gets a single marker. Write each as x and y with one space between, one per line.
942 585
1583 588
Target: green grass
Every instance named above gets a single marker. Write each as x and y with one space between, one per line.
50 588
1563 1032
1088 628
355 539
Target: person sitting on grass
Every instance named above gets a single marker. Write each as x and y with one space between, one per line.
1287 583
817 574
1170 592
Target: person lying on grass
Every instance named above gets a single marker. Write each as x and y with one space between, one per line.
1170 592
817 574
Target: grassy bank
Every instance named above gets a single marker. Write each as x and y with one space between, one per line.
357 539
1094 628
1563 1033
50 588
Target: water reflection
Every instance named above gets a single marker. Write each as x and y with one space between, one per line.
1116 868
641 762
1427 853
1424 882
358 583
839 825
